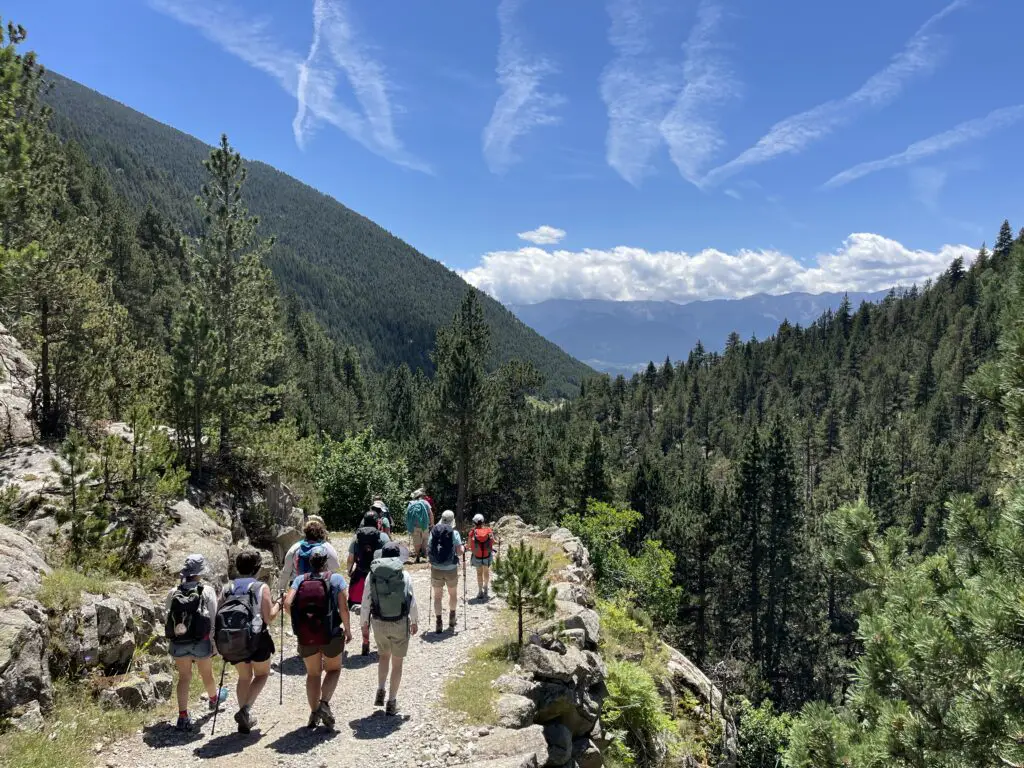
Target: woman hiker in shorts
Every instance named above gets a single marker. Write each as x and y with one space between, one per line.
318 605
444 547
191 607
254 671
481 543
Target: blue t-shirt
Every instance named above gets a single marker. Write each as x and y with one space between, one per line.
338 583
456 543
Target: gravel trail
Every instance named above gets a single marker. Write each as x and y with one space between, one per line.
424 734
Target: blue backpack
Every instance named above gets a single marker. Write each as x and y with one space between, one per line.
302 566
417 515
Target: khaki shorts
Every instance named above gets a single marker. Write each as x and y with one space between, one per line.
332 650
439 578
392 637
419 540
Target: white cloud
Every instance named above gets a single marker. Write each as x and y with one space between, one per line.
690 130
919 56
927 184
312 80
522 105
971 130
865 262
543 235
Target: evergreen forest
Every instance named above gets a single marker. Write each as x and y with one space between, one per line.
828 521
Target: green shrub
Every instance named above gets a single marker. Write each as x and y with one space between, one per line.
641 731
351 472
763 735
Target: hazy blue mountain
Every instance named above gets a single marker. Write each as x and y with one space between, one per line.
622 336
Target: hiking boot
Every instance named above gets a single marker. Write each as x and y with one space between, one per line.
392 707
314 718
326 716
366 650
439 628
185 723
451 620
378 700
480 595
222 696
246 721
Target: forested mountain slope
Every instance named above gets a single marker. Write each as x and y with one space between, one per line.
365 286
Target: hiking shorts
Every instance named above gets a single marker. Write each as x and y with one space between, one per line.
392 637
440 578
332 650
419 541
476 562
200 649
264 650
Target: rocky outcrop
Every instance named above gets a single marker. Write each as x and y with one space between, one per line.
506 748
138 692
105 630
22 566
29 468
16 384
193 531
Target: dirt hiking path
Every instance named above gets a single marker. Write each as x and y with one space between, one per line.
424 734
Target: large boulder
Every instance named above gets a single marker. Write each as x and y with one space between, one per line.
195 531
515 711
30 469
136 693
17 373
685 675
284 537
559 740
512 748
586 753
582 668
22 566
24 667
573 616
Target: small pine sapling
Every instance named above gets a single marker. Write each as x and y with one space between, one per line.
521 578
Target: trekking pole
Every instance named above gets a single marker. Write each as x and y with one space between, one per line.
223 669
465 611
280 666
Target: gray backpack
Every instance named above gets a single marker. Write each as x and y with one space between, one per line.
388 598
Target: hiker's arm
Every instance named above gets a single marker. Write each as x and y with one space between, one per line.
414 611
343 610
287 573
364 608
288 600
351 564
269 609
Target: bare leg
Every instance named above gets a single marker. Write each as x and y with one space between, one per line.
312 681
437 600
244 683
260 675
382 671
485 571
206 672
396 676
184 667
453 597
332 673
480 578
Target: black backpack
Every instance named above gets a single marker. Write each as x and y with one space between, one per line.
239 621
442 545
368 541
187 620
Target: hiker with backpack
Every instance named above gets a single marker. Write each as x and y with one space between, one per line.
191 607
419 519
444 548
296 561
481 542
318 605
383 513
368 540
389 606
242 632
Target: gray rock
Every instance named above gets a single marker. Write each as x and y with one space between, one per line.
562 535
559 739
515 684
24 666
578 667
574 616
284 537
28 719
577 637
586 753
30 467
22 565
43 531
527 747
515 711
163 684
17 374
132 693
195 531
554 701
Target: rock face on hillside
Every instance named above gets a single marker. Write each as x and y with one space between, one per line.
24 633
193 531
16 373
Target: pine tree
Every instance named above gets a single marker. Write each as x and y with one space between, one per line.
73 468
1004 242
521 578
647 495
460 354
594 483
750 499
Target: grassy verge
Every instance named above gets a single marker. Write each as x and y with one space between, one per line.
472 694
62 589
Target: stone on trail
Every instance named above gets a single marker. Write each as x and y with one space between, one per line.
559 740
527 747
515 711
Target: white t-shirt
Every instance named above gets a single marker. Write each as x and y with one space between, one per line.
288 573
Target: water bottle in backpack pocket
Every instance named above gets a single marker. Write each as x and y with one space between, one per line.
314 610
187 618
239 621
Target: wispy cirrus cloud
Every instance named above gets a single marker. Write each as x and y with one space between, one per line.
919 57
864 262
690 129
335 53
543 235
523 105
972 130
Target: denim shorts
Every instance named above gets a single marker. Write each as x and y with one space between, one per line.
201 649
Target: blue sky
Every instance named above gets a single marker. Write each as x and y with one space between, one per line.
666 149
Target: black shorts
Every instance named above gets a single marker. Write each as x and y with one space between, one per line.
264 650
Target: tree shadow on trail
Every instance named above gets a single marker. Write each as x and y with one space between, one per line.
301 740
377 725
228 744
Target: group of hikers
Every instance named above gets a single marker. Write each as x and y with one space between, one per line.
320 599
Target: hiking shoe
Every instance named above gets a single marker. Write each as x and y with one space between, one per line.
439 628
326 716
185 723
222 696
314 718
366 650
392 707
451 620
378 700
246 721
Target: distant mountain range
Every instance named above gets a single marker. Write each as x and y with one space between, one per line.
623 336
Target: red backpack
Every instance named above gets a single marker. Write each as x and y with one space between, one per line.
313 610
482 542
